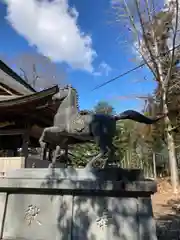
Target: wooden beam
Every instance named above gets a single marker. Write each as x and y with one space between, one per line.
12 132
5 90
6 124
25 147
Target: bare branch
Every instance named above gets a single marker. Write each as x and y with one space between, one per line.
145 38
174 42
137 37
149 11
39 71
24 75
36 77
146 62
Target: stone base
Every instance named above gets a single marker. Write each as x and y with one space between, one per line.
75 204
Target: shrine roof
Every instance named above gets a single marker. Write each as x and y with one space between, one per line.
38 106
11 101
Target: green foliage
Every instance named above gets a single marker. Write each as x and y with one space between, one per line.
82 153
104 108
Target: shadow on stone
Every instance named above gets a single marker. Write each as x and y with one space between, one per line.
76 204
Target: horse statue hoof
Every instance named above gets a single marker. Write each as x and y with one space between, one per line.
88 167
52 165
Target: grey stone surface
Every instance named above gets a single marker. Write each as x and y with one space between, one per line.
147 226
72 179
33 162
105 218
31 216
65 184
62 173
72 204
76 174
3 203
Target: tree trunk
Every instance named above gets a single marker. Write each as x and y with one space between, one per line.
170 142
173 162
168 126
171 149
154 166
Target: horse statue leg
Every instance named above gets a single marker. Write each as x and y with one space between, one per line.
107 138
100 140
44 139
103 136
43 151
111 153
50 154
56 153
43 144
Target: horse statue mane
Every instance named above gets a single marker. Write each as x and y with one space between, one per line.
85 112
64 93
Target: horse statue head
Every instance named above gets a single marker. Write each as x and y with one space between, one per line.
68 104
62 93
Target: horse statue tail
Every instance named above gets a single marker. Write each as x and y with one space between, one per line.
138 117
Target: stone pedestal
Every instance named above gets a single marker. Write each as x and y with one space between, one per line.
76 204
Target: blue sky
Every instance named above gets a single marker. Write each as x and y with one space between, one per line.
111 57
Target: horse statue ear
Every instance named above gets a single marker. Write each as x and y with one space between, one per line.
69 86
53 98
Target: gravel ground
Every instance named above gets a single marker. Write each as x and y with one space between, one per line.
166 208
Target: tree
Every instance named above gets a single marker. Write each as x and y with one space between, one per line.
156 34
104 108
153 134
37 70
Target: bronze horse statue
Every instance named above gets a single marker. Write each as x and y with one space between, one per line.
84 126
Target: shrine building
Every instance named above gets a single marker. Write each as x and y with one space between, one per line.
24 115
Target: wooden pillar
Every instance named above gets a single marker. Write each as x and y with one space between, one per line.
25 145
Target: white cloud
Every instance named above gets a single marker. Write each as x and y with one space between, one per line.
52 27
103 69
